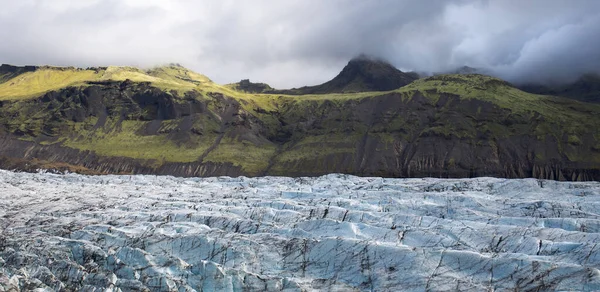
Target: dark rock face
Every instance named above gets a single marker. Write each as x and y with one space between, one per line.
360 75
416 149
387 135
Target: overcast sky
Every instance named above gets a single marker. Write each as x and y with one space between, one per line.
289 43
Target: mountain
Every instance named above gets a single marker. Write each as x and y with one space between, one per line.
466 70
359 75
170 120
586 88
462 70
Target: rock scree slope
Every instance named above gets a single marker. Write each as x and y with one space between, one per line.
170 120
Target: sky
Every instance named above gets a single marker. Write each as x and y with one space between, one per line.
293 43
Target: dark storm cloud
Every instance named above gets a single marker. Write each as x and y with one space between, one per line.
299 42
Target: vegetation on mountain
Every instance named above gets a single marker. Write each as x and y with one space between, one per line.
170 120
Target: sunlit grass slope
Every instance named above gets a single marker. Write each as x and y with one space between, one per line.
45 79
33 84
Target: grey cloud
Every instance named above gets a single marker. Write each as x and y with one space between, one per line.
303 42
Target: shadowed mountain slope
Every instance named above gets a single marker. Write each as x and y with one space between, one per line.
586 88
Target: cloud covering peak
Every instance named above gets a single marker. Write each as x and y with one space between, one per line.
304 42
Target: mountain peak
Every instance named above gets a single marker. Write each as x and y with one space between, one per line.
362 73
366 73
466 70
368 66
364 58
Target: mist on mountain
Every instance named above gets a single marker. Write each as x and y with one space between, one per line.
297 43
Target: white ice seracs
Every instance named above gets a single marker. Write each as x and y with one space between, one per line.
332 233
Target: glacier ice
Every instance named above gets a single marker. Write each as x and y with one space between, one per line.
329 233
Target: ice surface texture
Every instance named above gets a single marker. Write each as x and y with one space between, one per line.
331 233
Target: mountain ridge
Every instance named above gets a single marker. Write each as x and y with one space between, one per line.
586 88
177 122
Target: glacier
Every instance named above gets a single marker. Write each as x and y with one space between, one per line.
330 233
